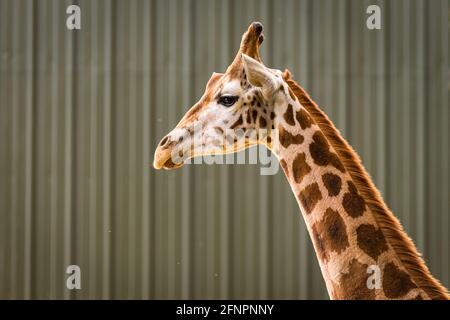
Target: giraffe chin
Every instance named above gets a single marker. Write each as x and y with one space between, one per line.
166 164
169 165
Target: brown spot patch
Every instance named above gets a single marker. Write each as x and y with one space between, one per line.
289 115
303 118
309 197
353 285
285 167
249 118
300 168
238 122
286 138
319 245
353 203
333 183
371 240
272 115
396 282
321 154
262 122
331 233
254 115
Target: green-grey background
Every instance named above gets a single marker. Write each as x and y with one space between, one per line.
82 111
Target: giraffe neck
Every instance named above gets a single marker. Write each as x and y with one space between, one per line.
356 258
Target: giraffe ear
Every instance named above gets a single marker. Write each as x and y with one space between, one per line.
259 76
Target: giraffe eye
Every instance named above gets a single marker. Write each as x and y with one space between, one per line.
228 101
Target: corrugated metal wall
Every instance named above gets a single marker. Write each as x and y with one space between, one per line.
82 111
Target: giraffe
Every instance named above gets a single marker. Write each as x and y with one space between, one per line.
351 227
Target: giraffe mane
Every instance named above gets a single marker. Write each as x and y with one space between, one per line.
389 224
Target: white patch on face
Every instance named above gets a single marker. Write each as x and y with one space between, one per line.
177 133
232 88
215 113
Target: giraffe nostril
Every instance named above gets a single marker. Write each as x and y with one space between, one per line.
164 141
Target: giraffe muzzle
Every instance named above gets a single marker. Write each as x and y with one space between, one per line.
164 155
163 160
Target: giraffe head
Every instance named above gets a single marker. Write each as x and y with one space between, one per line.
236 110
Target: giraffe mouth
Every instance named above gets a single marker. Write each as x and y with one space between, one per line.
163 160
169 165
